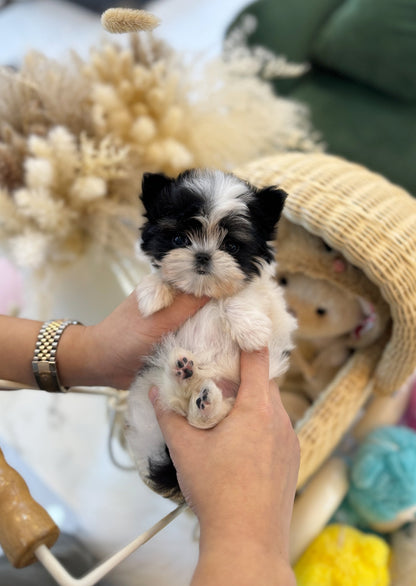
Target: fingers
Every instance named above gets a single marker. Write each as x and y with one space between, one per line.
171 424
256 386
254 369
170 318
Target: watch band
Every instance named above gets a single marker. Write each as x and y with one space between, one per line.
44 359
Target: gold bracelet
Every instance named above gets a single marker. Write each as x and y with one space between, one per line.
44 359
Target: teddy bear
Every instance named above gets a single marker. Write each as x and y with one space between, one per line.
331 323
337 308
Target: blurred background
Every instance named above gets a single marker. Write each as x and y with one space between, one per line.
60 446
332 75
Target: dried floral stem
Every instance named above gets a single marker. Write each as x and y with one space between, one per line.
125 20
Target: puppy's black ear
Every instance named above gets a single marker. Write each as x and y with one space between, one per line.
153 186
266 209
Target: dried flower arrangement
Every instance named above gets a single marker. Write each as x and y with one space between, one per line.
76 137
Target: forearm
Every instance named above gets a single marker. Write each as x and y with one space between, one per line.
109 353
17 343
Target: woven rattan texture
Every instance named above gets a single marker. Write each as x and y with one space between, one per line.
373 224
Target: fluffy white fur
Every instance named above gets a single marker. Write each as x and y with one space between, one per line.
197 368
249 320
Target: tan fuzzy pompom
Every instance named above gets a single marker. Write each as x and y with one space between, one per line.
128 20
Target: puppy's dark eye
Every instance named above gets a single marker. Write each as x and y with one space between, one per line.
283 281
321 311
181 240
327 247
231 246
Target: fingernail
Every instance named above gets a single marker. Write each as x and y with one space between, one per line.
153 395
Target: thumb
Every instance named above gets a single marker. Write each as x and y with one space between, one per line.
170 423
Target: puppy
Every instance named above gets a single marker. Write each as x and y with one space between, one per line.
207 233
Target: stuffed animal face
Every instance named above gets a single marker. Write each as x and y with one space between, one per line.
321 308
208 232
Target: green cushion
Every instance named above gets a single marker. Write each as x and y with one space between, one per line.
374 42
362 125
288 27
356 120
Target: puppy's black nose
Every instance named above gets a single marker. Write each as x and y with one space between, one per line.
202 258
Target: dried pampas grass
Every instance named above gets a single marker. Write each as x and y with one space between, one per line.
76 137
128 20
76 191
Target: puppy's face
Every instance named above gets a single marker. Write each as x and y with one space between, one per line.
208 232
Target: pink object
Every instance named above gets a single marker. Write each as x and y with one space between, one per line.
339 265
409 417
11 288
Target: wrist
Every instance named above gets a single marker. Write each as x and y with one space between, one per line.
44 360
257 537
73 360
236 519
231 558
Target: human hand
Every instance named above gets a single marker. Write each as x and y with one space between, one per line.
112 352
240 476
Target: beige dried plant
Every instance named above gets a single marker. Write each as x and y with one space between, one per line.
139 96
75 192
125 20
176 115
44 93
76 137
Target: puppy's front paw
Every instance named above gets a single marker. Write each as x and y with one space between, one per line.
183 368
153 295
253 334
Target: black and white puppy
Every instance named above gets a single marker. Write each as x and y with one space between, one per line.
207 233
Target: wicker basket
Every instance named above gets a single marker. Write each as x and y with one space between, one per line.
372 223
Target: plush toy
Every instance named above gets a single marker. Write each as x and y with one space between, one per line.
344 556
383 478
337 310
331 324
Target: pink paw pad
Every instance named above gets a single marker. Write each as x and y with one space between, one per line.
184 368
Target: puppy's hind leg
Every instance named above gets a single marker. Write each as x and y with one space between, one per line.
162 477
207 407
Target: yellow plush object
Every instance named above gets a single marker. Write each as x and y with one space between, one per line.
344 556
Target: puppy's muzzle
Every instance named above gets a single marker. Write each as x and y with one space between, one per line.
202 262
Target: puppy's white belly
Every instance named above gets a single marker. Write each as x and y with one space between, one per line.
208 337
208 343
204 337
